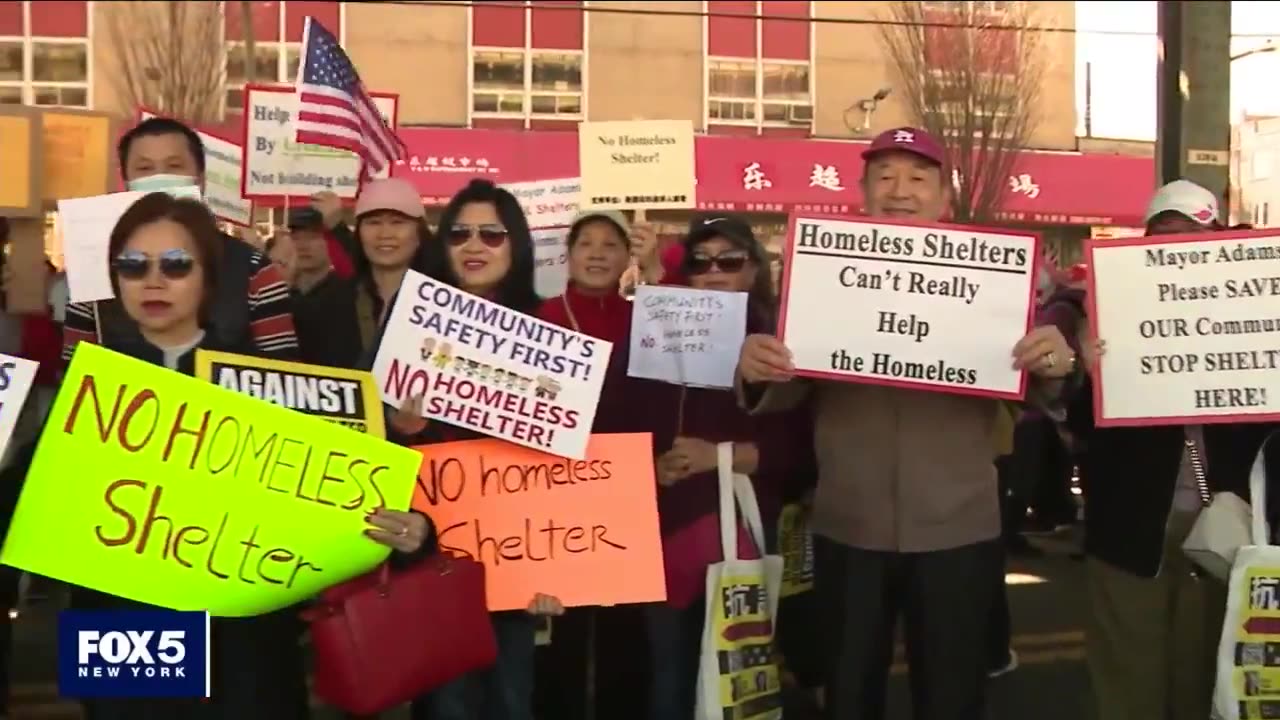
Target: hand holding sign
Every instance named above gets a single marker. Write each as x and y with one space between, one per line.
408 419
765 359
1044 352
644 241
403 531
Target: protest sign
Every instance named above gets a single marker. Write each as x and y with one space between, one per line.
485 367
549 206
21 194
86 225
164 489
915 306
550 261
276 166
585 531
347 397
222 161
1191 326
548 203
686 336
16 377
77 150
637 164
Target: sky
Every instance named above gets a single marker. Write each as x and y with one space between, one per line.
1124 65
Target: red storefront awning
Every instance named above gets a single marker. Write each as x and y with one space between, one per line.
745 174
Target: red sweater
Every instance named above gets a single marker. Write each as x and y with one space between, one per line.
42 342
607 317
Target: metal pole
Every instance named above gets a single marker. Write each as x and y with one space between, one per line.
1088 99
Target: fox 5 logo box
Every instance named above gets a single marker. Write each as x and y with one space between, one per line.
133 653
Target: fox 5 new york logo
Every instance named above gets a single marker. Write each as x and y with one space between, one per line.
133 653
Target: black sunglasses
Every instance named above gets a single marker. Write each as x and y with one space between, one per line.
491 235
702 264
173 264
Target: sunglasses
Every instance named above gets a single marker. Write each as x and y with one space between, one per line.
491 235
173 264
701 264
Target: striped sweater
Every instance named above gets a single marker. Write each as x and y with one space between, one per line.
270 315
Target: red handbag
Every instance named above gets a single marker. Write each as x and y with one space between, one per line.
385 638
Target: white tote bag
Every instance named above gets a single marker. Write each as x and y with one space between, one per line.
738 677
1248 683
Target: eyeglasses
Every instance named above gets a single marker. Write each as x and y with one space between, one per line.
174 264
702 264
491 235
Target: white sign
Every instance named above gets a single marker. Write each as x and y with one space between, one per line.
276 166
222 163
16 377
1192 328
548 203
86 224
685 336
933 308
550 261
493 370
549 206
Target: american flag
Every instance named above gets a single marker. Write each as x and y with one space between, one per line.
334 108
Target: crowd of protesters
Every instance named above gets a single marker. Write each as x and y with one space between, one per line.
914 499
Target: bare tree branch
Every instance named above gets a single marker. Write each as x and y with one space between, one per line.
976 88
168 57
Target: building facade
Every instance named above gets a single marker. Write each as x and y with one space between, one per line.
780 90
1256 172
791 68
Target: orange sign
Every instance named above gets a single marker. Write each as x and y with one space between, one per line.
77 154
585 531
20 169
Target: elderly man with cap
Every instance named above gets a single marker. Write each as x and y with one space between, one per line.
906 513
1155 618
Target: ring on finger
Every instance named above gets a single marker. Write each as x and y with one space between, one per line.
1050 359
402 531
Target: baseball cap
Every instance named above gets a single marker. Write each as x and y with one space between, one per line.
1185 198
908 139
614 216
730 227
390 194
305 218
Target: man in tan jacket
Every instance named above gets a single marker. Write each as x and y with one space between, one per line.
907 511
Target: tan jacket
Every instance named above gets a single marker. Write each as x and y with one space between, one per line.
898 470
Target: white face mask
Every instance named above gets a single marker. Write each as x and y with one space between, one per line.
153 183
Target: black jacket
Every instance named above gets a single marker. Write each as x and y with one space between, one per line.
325 319
1130 475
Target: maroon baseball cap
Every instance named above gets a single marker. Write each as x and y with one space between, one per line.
908 139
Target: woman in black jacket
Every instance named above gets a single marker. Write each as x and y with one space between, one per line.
484 248
164 267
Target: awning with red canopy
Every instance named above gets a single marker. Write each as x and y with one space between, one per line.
748 174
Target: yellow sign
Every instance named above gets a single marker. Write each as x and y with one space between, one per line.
1246 662
20 169
160 488
795 545
642 164
77 154
347 397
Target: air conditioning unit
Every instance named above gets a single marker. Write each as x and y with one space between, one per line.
800 114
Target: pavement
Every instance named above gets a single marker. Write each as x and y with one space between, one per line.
1047 599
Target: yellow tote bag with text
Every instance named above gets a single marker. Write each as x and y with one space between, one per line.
738 677
1248 683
